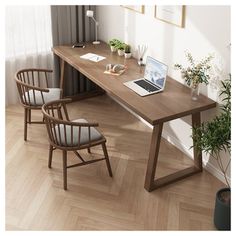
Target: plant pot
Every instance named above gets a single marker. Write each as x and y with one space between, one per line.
113 48
222 209
121 52
128 55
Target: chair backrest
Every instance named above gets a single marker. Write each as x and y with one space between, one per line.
32 83
62 132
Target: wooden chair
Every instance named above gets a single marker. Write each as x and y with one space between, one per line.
34 91
72 135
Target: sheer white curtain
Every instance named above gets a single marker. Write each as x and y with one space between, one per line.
28 43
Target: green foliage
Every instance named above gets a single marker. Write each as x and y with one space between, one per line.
196 73
226 93
113 42
120 45
215 136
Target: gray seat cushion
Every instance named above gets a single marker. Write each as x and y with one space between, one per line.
53 94
84 135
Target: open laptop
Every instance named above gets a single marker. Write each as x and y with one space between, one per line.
154 78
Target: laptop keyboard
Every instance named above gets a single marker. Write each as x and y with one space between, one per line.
146 85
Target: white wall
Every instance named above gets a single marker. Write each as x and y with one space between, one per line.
207 30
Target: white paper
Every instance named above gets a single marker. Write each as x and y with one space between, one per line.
97 58
92 57
88 55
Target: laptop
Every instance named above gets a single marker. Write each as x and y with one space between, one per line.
154 78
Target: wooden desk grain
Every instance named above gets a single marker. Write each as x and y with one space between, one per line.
174 102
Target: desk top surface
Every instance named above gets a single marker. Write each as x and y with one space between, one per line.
174 102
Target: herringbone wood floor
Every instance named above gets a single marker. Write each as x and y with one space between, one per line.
35 199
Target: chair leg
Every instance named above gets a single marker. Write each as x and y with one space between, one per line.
29 111
107 159
64 159
89 150
50 156
25 123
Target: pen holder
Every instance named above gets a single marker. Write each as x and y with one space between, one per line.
141 51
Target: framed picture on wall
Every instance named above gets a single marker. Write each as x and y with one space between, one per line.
174 15
137 8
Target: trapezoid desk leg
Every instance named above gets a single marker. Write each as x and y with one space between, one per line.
153 156
150 182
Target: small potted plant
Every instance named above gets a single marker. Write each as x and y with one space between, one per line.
213 137
112 44
127 51
121 48
196 73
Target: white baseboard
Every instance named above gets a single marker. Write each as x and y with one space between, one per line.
182 147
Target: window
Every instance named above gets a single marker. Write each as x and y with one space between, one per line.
28 30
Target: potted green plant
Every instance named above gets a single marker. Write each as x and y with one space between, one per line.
127 51
113 43
121 48
214 137
196 73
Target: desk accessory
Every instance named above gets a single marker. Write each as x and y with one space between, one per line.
121 52
127 51
141 51
114 69
121 48
153 81
92 57
197 73
90 14
113 43
78 45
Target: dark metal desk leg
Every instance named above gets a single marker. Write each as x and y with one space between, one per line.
153 156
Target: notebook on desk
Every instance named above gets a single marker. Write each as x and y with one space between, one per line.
154 79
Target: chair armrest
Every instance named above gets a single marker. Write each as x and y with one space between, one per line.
32 87
44 70
37 70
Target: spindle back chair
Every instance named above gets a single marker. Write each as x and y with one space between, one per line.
34 91
72 135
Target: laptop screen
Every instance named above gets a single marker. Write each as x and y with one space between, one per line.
155 72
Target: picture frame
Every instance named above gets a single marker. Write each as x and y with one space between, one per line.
136 8
171 14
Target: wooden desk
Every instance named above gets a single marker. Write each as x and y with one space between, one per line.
175 102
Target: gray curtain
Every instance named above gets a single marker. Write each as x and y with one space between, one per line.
71 25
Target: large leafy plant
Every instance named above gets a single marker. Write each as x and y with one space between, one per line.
215 136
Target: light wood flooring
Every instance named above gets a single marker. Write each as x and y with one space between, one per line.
35 199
